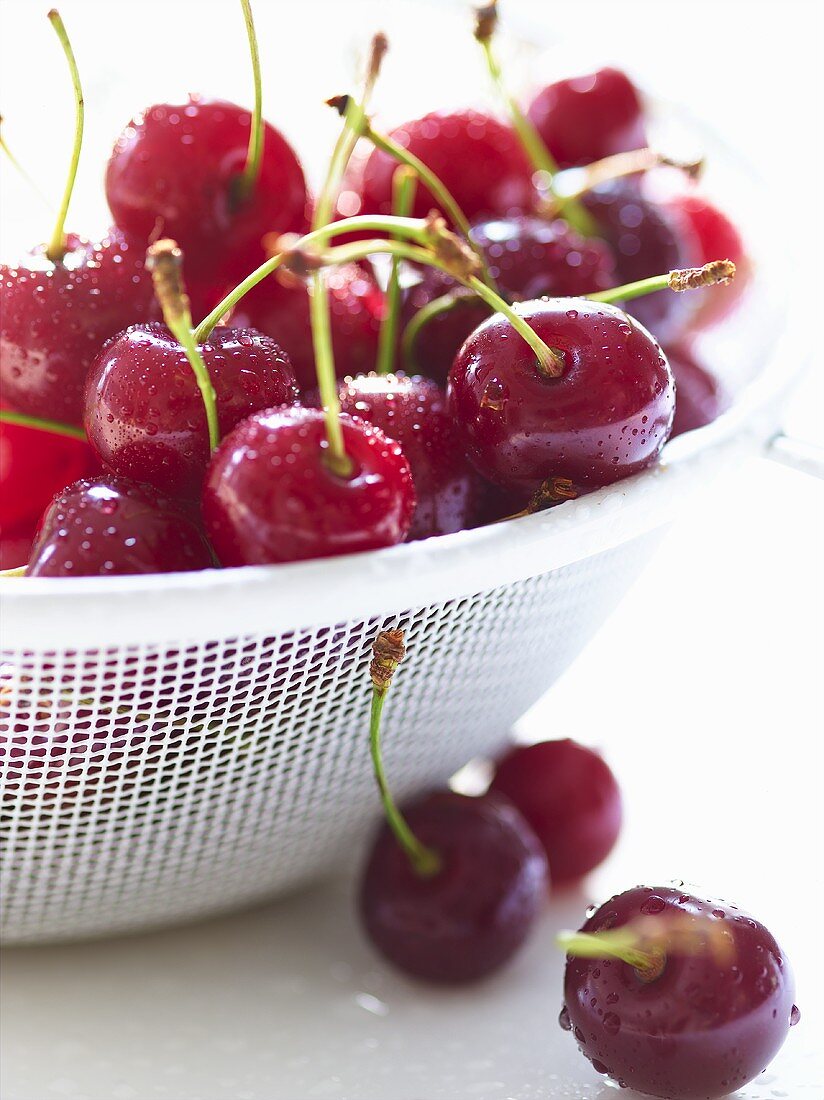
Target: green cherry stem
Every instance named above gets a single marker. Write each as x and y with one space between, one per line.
436 308
388 651
612 168
21 171
688 278
254 154
56 249
19 571
56 427
615 943
403 198
165 261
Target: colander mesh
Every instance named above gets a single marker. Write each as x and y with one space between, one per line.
147 784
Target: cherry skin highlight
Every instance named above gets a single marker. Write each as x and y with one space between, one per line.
589 117
175 171
705 1026
144 413
569 796
108 525
270 496
413 412
55 316
700 397
606 417
469 918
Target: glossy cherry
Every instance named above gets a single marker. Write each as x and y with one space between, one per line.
282 312
646 239
270 495
144 413
528 257
706 1025
605 417
586 118
700 397
571 800
108 525
478 159
413 412
54 317
175 171
468 919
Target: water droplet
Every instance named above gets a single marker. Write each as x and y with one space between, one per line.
612 1023
653 904
795 1015
564 1020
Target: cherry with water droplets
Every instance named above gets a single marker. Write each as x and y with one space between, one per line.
700 396
108 525
569 796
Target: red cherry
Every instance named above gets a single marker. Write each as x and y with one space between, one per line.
479 160
569 797
15 546
175 172
413 412
55 316
144 413
270 496
706 1024
108 525
356 309
607 416
589 117
528 257
468 919
700 397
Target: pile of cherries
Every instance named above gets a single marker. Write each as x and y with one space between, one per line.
476 373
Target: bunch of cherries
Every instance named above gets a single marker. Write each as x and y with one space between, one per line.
280 427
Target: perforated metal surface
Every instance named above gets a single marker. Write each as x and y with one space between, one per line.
144 785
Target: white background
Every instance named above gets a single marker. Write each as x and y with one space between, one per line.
703 689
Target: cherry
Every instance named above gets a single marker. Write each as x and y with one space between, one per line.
282 311
586 118
144 412
270 494
453 884
702 1005
570 798
15 546
700 397
645 239
109 525
606 416
413 412
175 171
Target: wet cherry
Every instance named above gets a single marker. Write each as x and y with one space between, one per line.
144 413
571 800
271 496
586 118
700 397
707 1010
606 416
108 525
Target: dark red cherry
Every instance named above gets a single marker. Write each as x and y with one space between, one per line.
569 797
607 416
470 917
413 412
700 397
144 413
108 525
175 172
646 240
282 312
270 495
528 257
479 160
589 117
15 546
55 317
709 1023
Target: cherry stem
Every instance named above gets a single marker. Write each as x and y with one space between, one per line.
18 167
555 490
254 154
388 652
612 168
165 261
56 427
436 308
403 199
56 249
534 147
717 272
615 943
18 571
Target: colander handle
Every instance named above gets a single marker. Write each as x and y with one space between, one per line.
797 454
